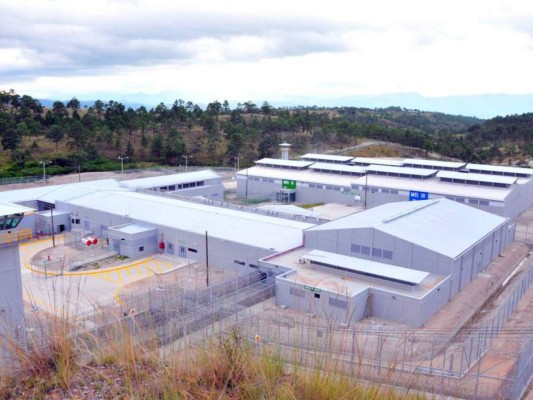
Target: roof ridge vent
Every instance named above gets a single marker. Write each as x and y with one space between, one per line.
412 210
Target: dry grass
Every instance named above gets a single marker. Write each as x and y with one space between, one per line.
226 367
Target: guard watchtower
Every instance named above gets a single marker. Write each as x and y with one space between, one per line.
11 303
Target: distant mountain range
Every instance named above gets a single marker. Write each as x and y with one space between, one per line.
481 106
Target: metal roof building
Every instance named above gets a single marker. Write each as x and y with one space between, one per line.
436 236
204 183
405 259
235 238
370 185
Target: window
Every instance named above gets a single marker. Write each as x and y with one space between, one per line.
473 201
317 295
365 250
172 187
393 191
77 221
170 246
141 248
483 202
193 250
253 266
387 254
202 183
356 248
376 252
239 262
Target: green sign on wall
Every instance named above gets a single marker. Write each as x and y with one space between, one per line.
288 184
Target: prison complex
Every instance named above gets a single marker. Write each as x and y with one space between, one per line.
397 259
369 182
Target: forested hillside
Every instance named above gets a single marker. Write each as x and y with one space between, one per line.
93 137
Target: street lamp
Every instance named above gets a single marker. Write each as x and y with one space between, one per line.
186 162
237 160
122 163
44 168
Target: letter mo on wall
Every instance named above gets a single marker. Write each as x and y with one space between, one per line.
414 195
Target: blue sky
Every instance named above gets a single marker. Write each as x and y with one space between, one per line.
280 51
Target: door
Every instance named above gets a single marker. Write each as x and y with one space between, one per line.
183 251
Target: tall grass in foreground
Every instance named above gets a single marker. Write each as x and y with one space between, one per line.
115 365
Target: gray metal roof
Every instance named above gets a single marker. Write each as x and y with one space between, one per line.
389 169
338 168
377 161
253 229
325 157
284 163
434 163
50 194
132 229
442 225
10 209
471 177
499 169
166 180
367 267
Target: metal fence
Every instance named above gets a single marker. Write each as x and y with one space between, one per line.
23 179
434 361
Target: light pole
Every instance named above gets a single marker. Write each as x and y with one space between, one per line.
237 160
44 168
122 163
186 162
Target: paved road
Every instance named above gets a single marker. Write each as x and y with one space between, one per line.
79 292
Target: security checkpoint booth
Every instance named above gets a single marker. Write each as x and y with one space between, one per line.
133 240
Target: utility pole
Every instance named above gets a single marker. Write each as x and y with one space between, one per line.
186 162
122 162
44 168
206 259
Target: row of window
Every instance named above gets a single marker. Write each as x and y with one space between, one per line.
188 185
470 201
475 183
375 251
327 187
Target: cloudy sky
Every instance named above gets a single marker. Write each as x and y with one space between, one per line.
271 50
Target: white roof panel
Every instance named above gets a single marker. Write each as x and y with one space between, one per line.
253 229
284 163
401 170
377 161
166 180
131 229
367 267
10 209
441 225
430 185
434 163
471 177
500 169
50 194
325 157
338 168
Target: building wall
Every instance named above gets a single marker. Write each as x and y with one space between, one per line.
222 253
323 303
372 244
215 192
11 303
516 202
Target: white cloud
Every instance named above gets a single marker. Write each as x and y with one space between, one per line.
271 50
